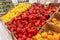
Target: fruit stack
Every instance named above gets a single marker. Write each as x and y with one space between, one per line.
25 20
15 11
47 36
56 22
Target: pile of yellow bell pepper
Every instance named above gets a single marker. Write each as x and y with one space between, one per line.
15 11
55 21
47 36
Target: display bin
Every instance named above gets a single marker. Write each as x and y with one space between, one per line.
52 26
43 28
46 31
58 10
14 38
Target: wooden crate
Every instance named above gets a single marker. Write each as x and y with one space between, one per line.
51 26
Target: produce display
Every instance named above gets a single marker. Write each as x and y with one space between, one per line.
5 6
15 11
56 22
1 10
47 36
25 20
5 2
